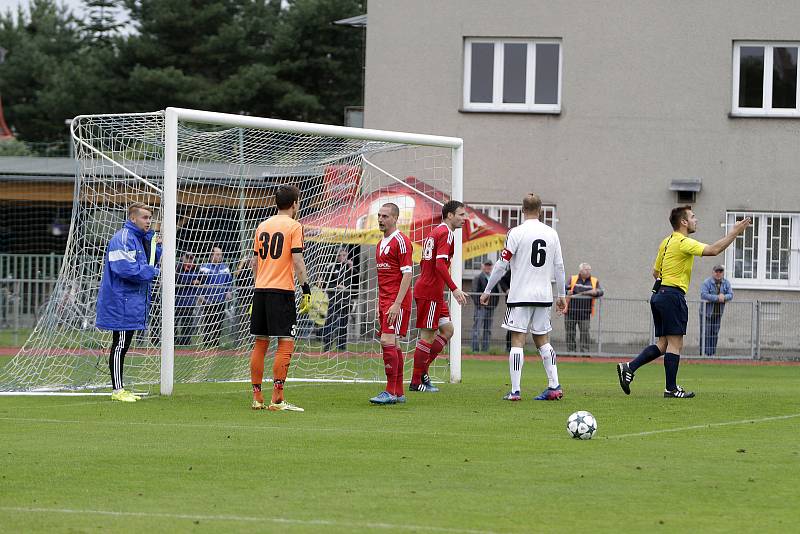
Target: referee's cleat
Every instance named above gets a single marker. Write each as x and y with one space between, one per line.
124 396
384 397
512 396
678 393
550 394
423 387
258 405
625 377
400 399
284 406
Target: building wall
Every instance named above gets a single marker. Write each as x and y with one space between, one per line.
646 97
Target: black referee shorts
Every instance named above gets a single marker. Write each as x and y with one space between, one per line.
670 313
274 314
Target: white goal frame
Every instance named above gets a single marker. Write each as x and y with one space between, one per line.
170 195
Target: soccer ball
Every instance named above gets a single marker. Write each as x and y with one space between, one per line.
581 425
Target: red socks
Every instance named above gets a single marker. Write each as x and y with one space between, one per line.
436 347
393 365
422 353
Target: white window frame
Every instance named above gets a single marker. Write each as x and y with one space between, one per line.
766 109
494 211
761 281
497 104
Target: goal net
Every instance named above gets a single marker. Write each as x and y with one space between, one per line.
211 179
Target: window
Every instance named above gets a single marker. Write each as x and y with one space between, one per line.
509 216
765 79
767 254
512 75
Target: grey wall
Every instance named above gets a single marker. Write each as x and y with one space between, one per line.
646 93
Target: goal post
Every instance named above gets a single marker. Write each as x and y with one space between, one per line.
211 178
173 115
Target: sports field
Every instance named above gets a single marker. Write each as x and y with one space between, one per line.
457 461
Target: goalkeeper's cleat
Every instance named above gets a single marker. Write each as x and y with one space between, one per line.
305 304
679 393
258 405
512 396
550 394
384 397
400 399
284 406
625 377
123 396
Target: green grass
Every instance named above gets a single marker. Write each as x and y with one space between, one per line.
201 461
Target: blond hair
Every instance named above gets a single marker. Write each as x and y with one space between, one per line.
136 206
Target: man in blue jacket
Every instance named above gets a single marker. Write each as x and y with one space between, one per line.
715 292
217 283
123 301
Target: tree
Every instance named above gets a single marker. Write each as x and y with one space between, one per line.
322 59
102 25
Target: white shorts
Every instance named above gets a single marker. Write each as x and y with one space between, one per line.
533 319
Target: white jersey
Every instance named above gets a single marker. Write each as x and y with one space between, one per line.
534 252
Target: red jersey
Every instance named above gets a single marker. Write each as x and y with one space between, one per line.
439 244
393 260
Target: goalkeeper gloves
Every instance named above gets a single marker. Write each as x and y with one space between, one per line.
305 300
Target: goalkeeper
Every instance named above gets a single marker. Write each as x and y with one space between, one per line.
277 258
129 268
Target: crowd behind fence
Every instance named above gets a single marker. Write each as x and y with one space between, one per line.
753 329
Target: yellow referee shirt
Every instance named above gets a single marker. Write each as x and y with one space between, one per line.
675 260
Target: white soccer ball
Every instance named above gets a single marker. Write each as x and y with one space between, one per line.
581 425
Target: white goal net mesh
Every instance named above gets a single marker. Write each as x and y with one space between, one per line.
226 180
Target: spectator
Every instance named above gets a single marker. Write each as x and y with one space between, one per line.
482 318
186 281
216 279
715 291
340 275
582 290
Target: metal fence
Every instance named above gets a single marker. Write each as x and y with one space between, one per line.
622 327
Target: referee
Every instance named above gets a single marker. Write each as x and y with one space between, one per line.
673 272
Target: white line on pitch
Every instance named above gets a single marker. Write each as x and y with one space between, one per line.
708 425
253 427
248 519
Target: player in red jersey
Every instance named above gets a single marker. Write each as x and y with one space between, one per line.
433 316
394 266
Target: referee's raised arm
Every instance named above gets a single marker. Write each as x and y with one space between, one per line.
716 248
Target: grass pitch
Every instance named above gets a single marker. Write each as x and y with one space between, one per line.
457 461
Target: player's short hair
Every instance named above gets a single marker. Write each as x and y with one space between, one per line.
678 214
450 207
531 203
286 195
393 207
137 206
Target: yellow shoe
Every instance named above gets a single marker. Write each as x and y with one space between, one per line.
124 396
257 405
283 405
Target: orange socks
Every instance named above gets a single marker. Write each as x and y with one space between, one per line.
281 368
257 367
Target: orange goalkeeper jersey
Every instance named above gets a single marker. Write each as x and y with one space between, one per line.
276 240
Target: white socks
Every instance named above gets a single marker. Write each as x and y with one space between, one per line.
515 361
549 360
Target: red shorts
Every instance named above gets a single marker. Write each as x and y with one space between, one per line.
432 313
400 325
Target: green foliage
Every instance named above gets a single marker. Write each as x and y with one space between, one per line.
13 147
460 460
267 58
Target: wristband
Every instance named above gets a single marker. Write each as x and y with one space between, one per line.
306 289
